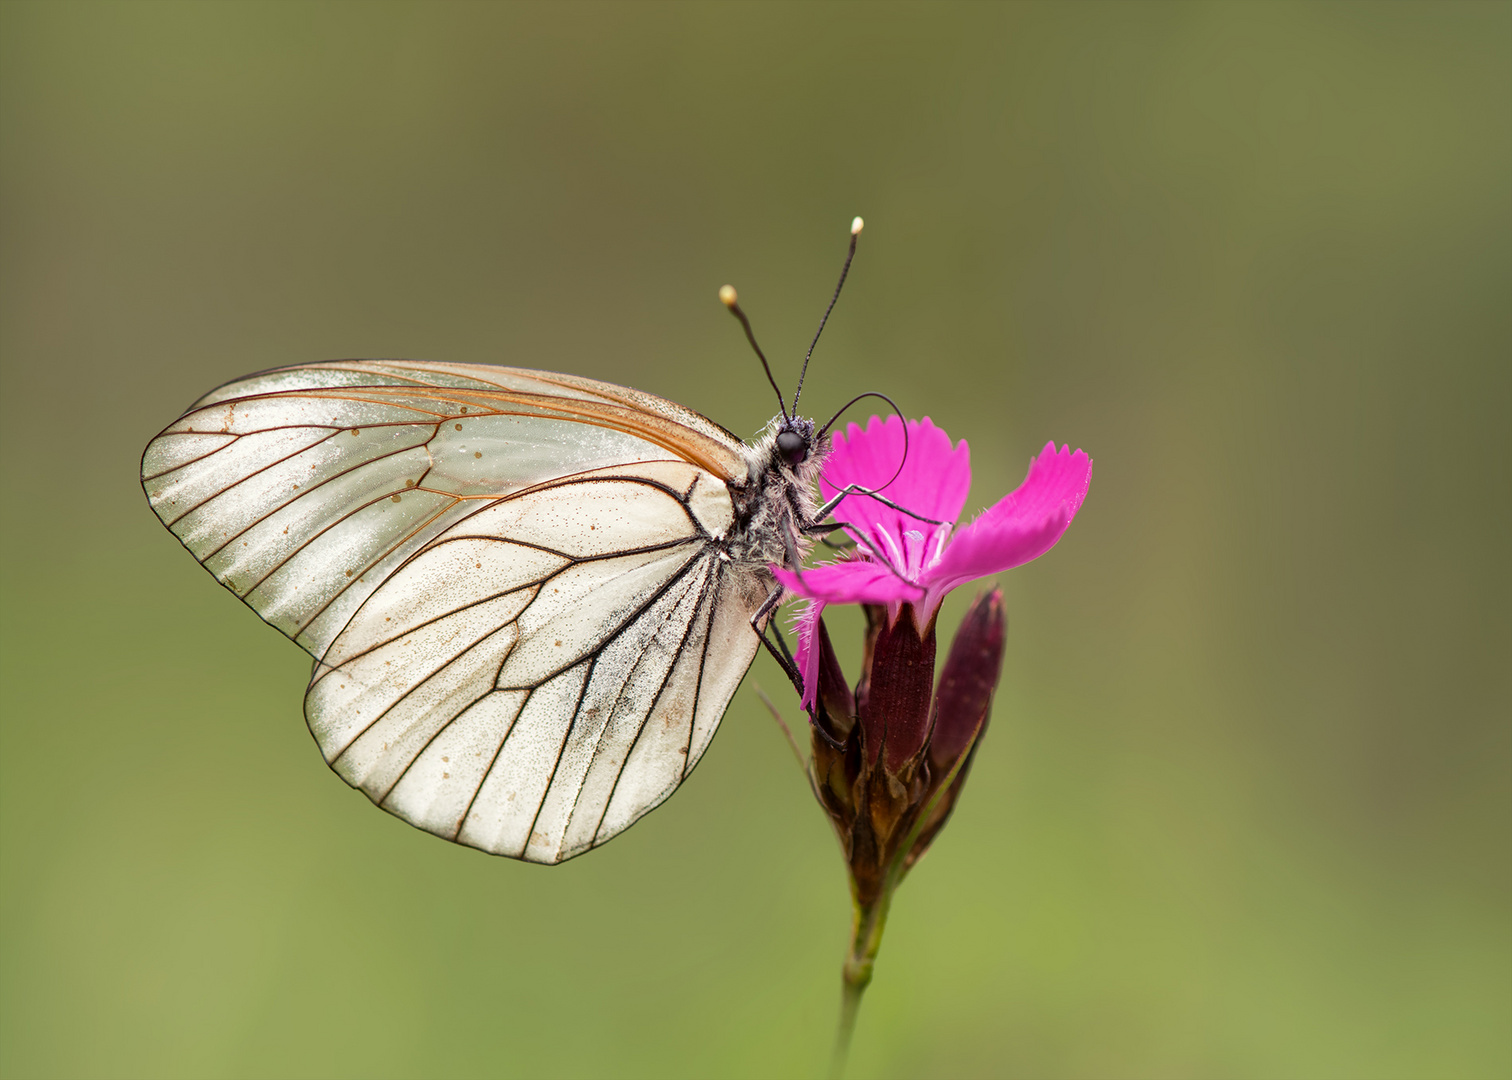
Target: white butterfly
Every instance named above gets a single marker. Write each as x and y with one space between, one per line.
529 596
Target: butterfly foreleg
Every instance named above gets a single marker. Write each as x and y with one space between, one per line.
784 658
817 527
767 633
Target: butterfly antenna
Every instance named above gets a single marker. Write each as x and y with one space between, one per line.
849 255
728 298
896 411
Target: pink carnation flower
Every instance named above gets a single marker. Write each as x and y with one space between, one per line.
901 560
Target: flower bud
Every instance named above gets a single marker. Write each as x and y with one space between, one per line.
962 705
971 675
889 761
895 709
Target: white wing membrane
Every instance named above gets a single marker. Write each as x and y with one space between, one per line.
534 702
301 489
524 629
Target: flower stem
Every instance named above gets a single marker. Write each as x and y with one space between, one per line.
866 939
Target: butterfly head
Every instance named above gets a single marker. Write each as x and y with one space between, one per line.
795 440
794 444
788 455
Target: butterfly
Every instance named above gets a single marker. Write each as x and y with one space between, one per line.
529 596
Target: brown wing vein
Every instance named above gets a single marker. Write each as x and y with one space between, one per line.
571 562
650 709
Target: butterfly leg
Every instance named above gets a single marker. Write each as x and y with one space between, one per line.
856 489
766 633
874 552
785 658
820 526
817 527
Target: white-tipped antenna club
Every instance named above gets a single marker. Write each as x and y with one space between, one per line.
856 224
728 298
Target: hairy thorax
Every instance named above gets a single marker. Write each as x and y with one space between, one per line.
776 502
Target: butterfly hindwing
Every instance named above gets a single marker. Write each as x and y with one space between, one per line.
534 700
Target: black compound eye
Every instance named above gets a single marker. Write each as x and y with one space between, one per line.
792 446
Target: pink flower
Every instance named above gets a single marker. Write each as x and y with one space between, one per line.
900 560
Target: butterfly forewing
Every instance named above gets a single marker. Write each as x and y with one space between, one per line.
524 629
301 488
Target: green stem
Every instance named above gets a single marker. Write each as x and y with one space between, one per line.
866 939
866 932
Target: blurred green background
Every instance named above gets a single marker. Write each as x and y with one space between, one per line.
1245 807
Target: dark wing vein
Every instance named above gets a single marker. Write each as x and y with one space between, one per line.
571 562
530 688
593 659
597 477
255 472
332 524
618 697
208 454
357 576
628 621
703 658
671 670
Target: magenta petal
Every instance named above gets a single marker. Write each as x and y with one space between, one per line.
806 655
934 481
853 582
1024 525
